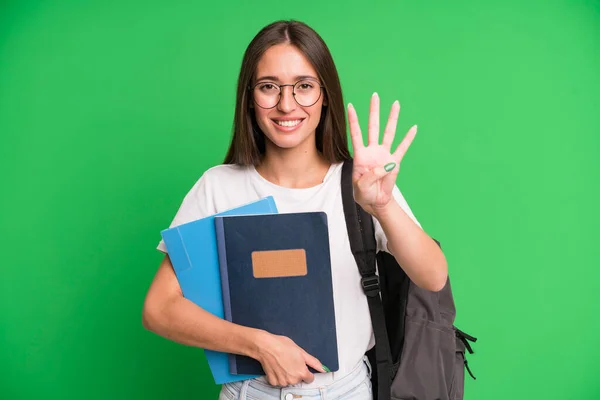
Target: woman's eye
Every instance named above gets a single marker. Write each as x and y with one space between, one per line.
268 87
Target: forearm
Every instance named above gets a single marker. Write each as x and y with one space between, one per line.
182 321
169 314
418 254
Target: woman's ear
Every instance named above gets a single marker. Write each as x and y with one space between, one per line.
325 102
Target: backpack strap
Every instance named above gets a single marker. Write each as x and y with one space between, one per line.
361 234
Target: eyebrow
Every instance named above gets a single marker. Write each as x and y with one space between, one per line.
276 79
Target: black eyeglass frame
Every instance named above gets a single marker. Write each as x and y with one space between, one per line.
251 90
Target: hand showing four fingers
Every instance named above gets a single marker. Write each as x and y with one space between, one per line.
375 165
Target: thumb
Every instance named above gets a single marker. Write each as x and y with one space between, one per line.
314 362
369 178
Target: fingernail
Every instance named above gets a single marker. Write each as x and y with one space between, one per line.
350 105
325 368
375 94
389 166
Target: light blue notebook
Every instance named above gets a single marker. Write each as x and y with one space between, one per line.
192 248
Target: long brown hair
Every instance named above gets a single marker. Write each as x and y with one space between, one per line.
248 142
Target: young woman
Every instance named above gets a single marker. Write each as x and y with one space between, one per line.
289 141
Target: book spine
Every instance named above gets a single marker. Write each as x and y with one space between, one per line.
222 250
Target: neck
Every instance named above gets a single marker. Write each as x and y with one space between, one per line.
293 168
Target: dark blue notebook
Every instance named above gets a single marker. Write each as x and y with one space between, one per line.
276 276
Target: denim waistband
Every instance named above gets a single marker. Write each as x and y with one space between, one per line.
361 372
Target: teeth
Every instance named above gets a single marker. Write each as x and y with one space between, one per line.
288 123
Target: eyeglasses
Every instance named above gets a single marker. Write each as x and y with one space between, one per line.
268 94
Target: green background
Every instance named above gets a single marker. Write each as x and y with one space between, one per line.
110 111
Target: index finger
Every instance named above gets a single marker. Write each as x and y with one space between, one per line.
313 362
403 146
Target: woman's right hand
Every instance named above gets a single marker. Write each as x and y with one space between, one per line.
284 362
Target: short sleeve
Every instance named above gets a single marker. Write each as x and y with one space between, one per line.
379 233
193 207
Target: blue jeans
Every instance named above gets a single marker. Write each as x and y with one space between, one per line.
354 386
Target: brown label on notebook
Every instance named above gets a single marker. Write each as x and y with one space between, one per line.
279 263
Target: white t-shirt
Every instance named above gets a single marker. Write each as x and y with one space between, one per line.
227 186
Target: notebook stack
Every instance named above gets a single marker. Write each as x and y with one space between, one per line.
258 268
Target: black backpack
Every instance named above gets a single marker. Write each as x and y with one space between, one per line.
419 354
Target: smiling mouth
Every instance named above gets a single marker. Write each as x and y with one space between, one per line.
288 124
